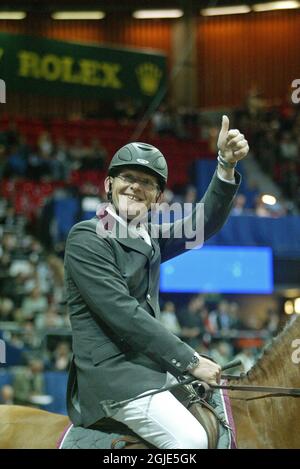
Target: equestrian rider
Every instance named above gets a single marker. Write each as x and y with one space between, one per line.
121 349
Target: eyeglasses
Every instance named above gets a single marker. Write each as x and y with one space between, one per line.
147 185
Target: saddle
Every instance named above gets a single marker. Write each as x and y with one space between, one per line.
110 434
203 414
199 408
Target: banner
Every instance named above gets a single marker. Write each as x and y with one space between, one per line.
56 68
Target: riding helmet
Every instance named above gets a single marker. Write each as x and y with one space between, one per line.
143 156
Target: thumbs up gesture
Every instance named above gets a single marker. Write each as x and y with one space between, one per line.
231 143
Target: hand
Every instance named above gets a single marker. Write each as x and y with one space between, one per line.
231 143
207 371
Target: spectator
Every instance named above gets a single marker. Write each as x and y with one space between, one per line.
32 340
221 352
11 135
9 243
96 157
169 318
288 147
272 321
161 121
11 220
7 395
239 206
34 304
261 209
16 340
16 164
221 318
191 321
45 144
290 179
61 154
29 382
49 319
78 152
6 310
235 315
61 357
37 166
255 103
190 195
268 150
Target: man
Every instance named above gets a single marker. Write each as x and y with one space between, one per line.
121 350
7 395
29 382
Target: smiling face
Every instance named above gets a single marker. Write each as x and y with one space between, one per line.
133 192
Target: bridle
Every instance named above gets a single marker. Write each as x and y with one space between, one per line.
204 389
272 391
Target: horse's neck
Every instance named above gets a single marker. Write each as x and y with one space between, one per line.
267 422
278 364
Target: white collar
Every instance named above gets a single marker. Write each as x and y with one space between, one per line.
141 230
113 213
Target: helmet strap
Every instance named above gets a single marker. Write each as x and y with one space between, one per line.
109 193
158 196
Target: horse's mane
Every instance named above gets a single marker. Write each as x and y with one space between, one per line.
272 362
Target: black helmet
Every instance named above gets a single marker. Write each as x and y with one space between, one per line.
144 156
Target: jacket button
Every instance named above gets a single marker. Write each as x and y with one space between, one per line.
148 297
178 364
174 361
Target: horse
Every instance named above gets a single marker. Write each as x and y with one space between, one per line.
262 420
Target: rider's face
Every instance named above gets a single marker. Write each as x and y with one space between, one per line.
133 192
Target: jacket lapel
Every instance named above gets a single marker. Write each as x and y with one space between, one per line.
122 234
136 244
156 251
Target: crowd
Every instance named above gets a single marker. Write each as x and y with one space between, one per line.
35 326
33 317
272 132
274 136
49 159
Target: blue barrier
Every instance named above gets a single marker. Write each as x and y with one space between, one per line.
281 234
66 215
56 386
5 378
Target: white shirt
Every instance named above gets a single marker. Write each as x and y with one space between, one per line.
140 230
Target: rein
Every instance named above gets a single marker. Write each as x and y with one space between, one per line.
204 388
275 391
